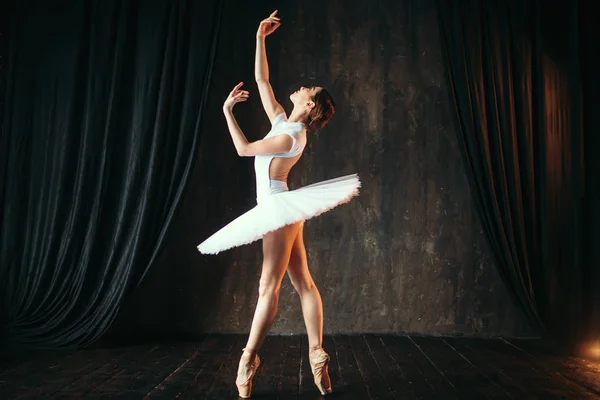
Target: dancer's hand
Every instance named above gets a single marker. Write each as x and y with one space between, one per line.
268 25
235 96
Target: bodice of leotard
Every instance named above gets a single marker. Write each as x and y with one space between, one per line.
262 163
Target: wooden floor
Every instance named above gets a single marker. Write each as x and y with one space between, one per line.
362 367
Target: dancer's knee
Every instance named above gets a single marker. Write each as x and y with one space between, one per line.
302 284
269 287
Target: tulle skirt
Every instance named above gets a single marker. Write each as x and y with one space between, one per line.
277 210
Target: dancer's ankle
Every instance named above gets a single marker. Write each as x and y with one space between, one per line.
312 349
249 353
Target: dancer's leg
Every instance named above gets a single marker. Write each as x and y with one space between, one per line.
312 309
310 298
276 255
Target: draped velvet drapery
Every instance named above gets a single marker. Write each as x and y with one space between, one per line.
100 123
514 70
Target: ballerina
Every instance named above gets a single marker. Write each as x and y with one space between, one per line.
278 218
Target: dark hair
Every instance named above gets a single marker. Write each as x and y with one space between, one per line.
322 111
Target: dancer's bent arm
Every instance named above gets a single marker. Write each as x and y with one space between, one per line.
272 145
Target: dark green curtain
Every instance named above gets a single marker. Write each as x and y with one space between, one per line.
515 77
100 124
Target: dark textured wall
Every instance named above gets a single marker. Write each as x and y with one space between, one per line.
408 255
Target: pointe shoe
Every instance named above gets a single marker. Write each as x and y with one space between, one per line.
319 364
246 372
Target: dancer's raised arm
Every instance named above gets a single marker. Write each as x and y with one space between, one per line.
261 66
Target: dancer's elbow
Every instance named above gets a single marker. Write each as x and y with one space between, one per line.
243 151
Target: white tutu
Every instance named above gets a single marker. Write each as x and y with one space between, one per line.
281 209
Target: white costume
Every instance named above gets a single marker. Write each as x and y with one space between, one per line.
276 205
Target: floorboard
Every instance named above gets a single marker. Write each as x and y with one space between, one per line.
578 372
496 372
362 367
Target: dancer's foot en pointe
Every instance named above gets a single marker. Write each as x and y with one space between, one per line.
246 371
319 364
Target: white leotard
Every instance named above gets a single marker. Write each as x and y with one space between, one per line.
265 186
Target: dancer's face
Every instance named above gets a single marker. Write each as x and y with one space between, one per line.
305 96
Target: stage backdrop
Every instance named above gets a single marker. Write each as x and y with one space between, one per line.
100 124
526 104
408 255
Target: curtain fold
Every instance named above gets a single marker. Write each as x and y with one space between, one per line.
101 119
513 68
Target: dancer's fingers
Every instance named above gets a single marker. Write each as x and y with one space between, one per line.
239 85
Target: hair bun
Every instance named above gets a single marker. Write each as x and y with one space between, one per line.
322 111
